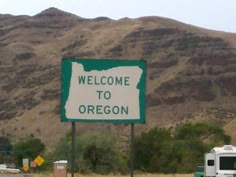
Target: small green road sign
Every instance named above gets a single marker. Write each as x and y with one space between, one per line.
103 90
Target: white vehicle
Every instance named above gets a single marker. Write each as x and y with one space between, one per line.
221 162
4 169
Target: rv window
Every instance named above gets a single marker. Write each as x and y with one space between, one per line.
227 163
210 163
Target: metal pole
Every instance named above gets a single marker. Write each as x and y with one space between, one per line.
73 149
132 151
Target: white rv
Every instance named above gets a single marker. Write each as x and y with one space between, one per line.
221 162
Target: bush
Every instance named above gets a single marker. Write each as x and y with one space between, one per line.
95 152
158 151
148 149
213 133
29 148
5 150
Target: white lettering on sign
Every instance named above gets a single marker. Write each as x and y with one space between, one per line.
109 94
60 167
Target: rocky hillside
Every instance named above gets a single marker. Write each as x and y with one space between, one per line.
191 72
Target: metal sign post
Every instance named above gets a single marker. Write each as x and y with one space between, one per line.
132 151
73 149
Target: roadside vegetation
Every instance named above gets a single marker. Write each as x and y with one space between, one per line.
156 151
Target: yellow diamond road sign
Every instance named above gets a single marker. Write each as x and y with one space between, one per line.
39 160
25 167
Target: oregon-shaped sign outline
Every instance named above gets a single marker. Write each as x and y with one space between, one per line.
102 64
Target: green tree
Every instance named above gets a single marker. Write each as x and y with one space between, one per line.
159 151
148 148
100 153
95 151
214 133
5 149
28 148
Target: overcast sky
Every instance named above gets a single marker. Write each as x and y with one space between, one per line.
211 14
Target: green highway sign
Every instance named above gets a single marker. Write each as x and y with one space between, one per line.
95 90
